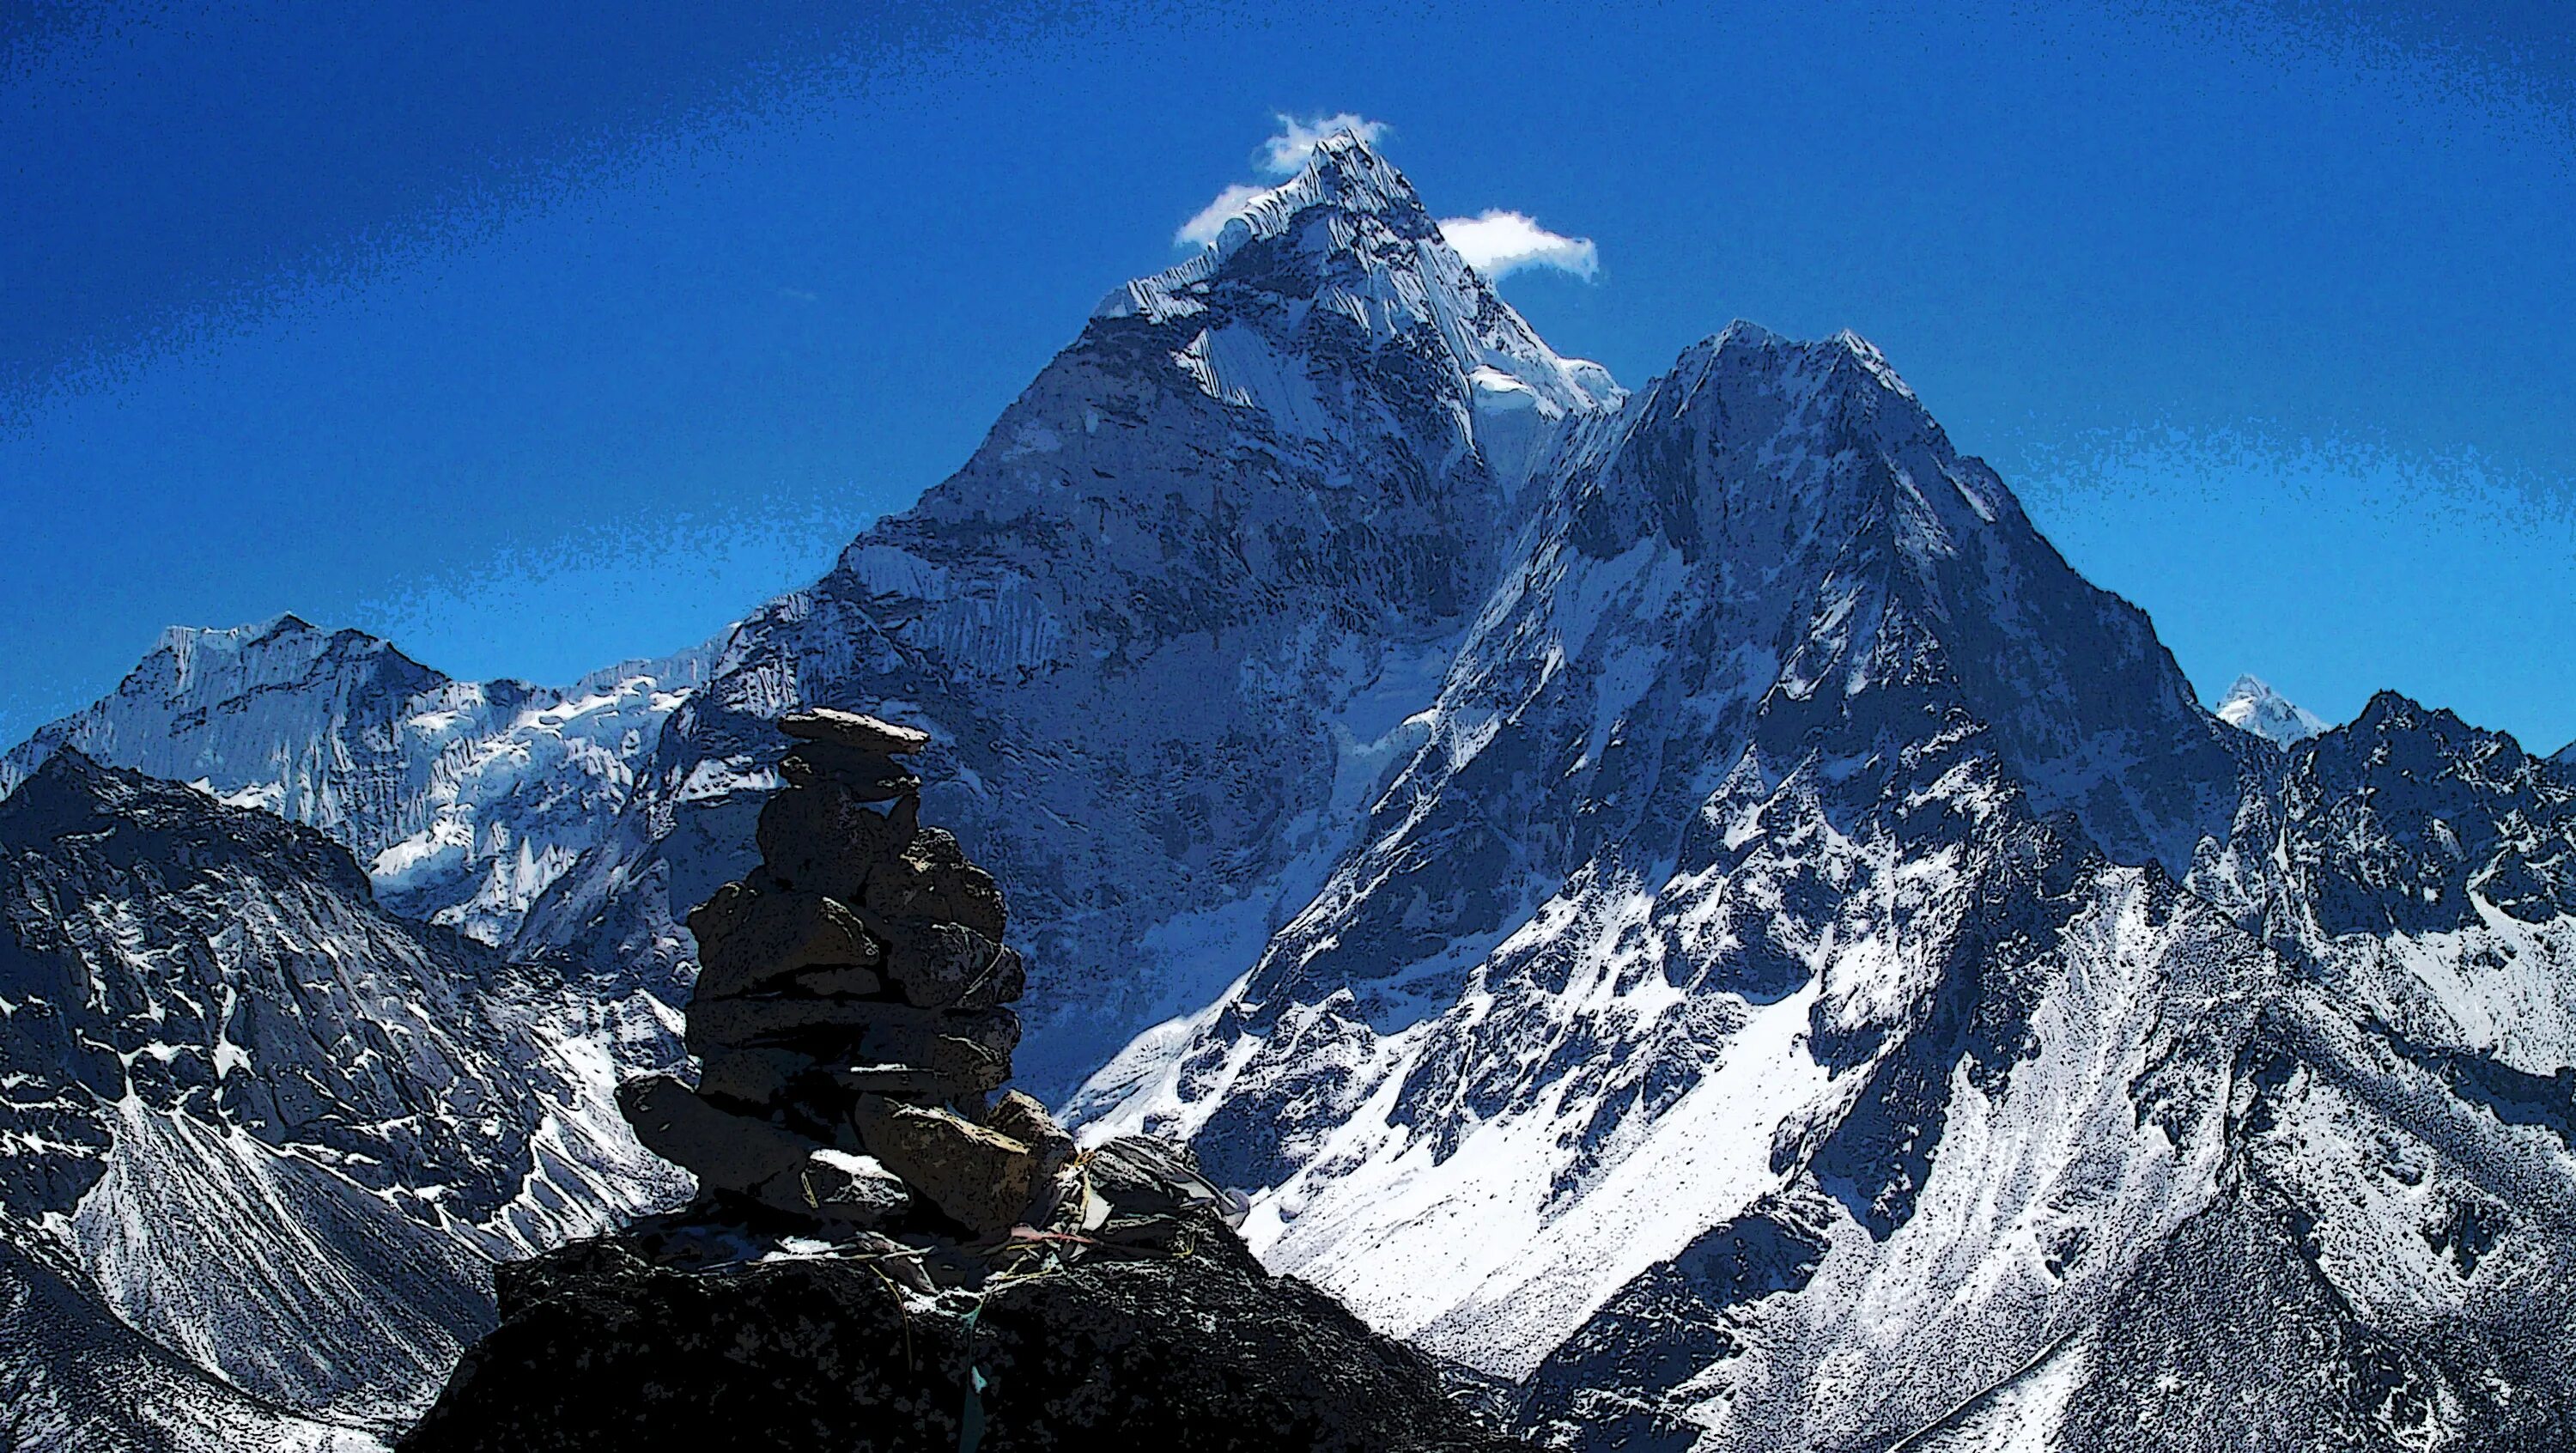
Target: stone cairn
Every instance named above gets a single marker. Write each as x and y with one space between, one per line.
853 1020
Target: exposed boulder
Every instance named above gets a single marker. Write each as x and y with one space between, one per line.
931 879
748 940
1024 1119
938 964
848 729
980 1178
826 838
751 1078
729 1152
857 1189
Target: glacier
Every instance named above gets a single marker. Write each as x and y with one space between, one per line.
465 798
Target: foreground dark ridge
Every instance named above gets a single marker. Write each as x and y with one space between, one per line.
883 1256
261 1140
601 1349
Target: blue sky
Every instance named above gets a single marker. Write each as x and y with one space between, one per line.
537 344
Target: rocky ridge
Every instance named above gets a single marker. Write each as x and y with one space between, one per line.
883 1255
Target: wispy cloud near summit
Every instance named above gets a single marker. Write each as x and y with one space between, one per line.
1283 155
1202 228
1498 244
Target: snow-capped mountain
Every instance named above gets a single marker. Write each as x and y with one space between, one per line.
465 799
1168 625
2251 705
2313 1189
260 1140
1684 901
1716 902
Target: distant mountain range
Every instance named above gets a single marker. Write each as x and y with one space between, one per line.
464 799
1681 900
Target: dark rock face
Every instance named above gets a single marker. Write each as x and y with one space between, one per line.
600 1348
1609 1382
2406 820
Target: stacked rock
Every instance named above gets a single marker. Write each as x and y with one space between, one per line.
852 1014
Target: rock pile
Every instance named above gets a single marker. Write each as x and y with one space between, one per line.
890 1254
853 1016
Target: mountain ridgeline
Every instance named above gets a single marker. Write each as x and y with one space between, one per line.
1679 901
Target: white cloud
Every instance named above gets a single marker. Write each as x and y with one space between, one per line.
1203 228
1283 154
1499 243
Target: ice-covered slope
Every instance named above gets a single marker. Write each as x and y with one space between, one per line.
2353 1125
1168 623
1746 745
2253 706
274 1130
1762 1010
74 1377
465 799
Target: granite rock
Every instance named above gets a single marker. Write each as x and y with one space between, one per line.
852 730
977 1177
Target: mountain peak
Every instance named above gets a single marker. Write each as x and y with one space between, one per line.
72 795
1745 339
187 640
1346 172
1871 361
1729 369
263 649
1345 254
2251 705
66 769
70 784
1368 204
1345 163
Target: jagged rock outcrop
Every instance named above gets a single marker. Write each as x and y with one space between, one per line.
886 1257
